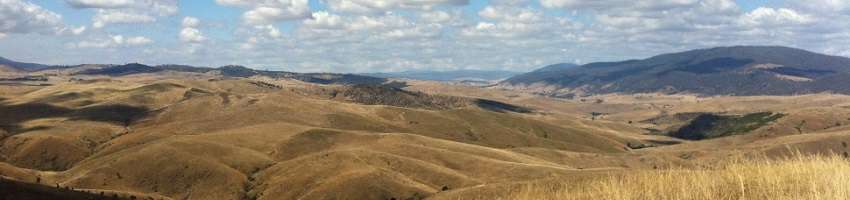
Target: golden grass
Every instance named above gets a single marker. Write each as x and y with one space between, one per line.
801 177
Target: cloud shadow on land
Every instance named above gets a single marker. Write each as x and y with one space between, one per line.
12 116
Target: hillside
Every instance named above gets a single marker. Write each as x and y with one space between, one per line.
740 70
22 65
244 139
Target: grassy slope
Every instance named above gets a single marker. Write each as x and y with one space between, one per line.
802 177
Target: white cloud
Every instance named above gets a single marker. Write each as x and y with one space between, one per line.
190 32
437 16
126 11
771 17
24 17
510 19
104 17
112 42
269 31
511 13
377 6
191 35
191 22
265 12
378 35
323 19
136 41
329 27
617 4
100 3
78 30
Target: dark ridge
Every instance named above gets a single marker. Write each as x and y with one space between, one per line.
708 126
342 79
237 71
383 95
122 70
16 190
392 96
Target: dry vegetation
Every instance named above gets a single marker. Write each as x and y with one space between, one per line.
801 177
216 138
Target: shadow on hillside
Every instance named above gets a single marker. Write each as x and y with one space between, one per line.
11 116
496 106
10 189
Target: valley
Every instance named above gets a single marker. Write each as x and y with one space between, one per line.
182 132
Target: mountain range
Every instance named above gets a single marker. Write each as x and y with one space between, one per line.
21 65
232 71
455 75
739 71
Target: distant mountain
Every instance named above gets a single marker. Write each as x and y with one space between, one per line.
740 70
21 65
236 71
122 70
544 71
556 67
457 75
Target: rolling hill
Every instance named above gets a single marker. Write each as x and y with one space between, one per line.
739 70
242 139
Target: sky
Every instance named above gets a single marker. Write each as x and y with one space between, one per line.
354 36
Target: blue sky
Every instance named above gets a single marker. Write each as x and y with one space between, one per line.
400 35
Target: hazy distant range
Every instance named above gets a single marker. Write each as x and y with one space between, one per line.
455 75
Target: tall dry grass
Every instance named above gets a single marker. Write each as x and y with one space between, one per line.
798 178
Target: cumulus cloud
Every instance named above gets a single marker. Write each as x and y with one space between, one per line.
330 27
774 17
511 19
126 11
377 6
190 32
104 17
264 12
135 41
398 35
24 17
112 42
100 3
